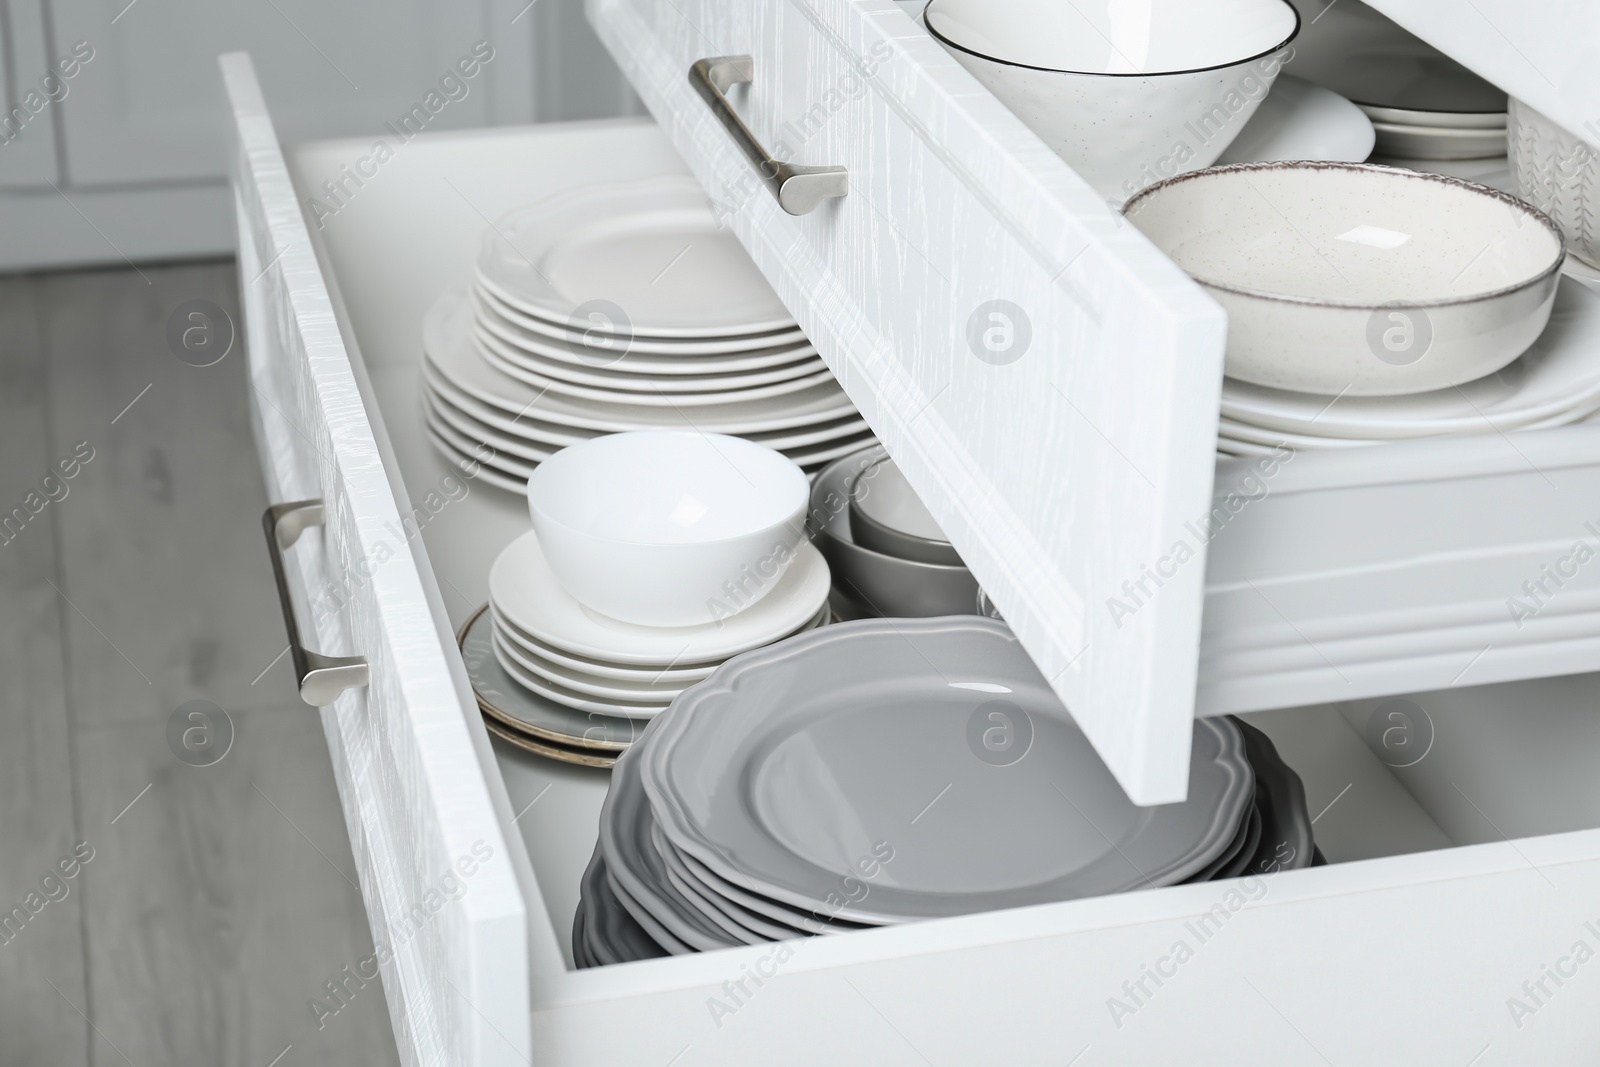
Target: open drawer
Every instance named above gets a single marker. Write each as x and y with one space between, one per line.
1454 880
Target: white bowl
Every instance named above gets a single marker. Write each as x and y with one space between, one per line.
668 528
1558 173
1359 280
1127 94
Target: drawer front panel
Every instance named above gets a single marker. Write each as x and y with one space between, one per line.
1046 379
446 912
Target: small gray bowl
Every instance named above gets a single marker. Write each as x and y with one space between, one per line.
881 583
883 490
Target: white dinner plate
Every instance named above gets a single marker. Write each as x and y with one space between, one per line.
1559 373
475 468
589 685
503 359
650 247
1299 120
524 590
629 374
1438 142
681 674
1229 430
542 433
447 343
565 337
515 454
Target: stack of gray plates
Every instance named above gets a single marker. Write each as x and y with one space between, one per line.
621 307
838 781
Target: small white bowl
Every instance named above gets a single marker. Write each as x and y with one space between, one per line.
668 528
1126 96
1559 173
1359 280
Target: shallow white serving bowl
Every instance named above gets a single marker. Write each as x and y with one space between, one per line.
1299 120
1127 94
668 528
1352 279
1559 173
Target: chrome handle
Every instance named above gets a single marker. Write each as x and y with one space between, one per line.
321 678
799 189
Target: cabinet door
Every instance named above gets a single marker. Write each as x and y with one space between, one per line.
1048 381
30 89
437 874
147 107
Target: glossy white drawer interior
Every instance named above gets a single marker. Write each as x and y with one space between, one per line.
1420 941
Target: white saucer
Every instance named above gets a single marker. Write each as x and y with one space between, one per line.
1299 120
526 592
679 675
1558 374
564 337
562 695
503 358
651 247
447 344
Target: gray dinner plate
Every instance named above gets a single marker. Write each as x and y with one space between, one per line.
610 934
890 770
638 874
1239 850
720 889
1286 838
511 701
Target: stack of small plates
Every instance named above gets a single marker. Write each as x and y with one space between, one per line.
1409 133
1555 383
621 307
560 679
762 806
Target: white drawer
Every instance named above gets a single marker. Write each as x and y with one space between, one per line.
1404 950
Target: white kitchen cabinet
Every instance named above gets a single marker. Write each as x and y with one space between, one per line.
146 109
1453 882
30 87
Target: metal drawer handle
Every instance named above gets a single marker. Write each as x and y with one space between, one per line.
799 189
321 678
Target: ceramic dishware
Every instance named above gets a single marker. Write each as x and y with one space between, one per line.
668 528
637 258
1299 120
1357 280
525 591
887 516
1411 141
771 772
879 584
1124 100
1557 376
1559 172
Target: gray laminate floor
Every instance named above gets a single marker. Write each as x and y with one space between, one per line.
152 910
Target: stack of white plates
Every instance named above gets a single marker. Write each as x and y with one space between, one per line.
881 772
1555 383
621 307
605 673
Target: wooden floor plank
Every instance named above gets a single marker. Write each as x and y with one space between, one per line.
222 899
167 576
41 953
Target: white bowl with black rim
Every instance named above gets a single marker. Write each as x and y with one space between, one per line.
1349 279
1125 97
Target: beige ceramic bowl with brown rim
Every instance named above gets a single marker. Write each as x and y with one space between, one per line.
1359 280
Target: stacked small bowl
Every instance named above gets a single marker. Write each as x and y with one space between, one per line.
621 307
887 555
653 558
841 781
